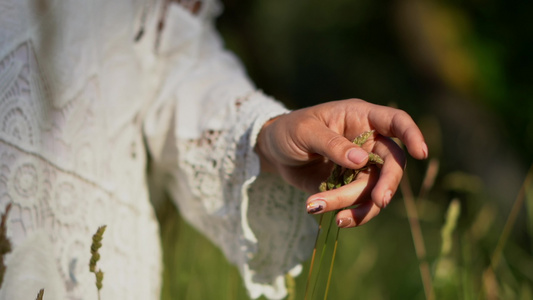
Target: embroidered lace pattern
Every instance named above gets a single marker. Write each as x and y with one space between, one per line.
50 168
84 101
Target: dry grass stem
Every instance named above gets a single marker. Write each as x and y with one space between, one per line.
418 239
490 284
429 178
519 201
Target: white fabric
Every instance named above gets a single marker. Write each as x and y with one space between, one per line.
84 112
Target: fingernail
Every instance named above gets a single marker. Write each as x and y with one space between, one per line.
425 150
316 206
386 199
344 222
357 155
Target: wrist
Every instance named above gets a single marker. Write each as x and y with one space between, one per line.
263 149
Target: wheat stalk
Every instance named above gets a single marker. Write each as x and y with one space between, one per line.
339 177
40 295
95 257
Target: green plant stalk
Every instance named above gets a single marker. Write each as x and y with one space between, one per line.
332 262
323 251
466 276
443 262
313 258
339 176
452 215
291 287
95 257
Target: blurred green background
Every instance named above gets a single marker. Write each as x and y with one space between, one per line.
462 69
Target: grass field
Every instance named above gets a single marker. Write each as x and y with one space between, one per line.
379 260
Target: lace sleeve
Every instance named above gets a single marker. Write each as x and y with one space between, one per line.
201 137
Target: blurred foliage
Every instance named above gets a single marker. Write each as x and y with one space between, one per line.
193 267
461 69
307 52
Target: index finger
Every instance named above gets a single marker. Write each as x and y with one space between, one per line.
394 122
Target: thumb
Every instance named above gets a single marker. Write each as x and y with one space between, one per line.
324 141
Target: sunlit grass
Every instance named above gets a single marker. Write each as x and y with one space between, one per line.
323 259
462 236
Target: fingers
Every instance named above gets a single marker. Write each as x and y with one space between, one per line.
339 149
391 172
372 191
309 177
378 184
385 120
348 195
397 123
357 216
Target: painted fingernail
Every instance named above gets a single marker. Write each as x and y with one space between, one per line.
357 155
316 206
386 199
344 222
425 150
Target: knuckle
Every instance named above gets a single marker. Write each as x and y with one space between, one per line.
402 113
335 143
400 124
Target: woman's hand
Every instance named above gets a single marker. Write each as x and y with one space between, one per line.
301 146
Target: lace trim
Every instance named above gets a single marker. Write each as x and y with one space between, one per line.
65 212
52 171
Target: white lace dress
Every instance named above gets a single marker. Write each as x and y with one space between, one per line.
95 93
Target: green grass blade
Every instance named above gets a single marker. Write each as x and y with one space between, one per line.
330 217
332 261
307 284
